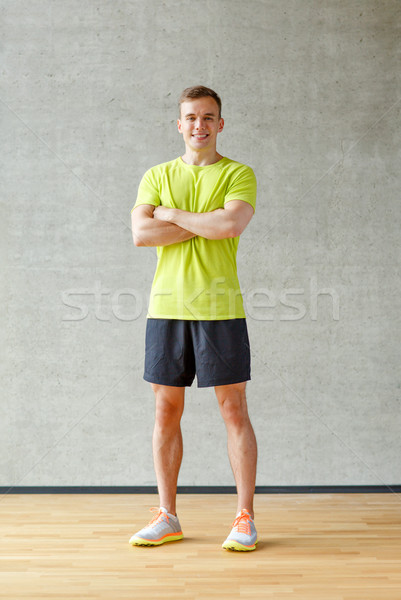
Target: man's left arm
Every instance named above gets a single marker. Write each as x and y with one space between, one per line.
227 222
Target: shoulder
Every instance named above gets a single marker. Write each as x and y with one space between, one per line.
238 172
235 168
241 183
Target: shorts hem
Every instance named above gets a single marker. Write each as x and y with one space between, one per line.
158 381
227 381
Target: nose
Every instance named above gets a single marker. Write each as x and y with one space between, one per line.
199 124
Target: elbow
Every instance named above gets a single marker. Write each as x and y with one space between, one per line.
224 234
234 230
137 239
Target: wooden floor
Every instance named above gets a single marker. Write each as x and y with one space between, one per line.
311 546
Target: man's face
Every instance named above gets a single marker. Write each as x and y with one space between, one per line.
199 123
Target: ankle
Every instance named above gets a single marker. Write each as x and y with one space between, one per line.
169 508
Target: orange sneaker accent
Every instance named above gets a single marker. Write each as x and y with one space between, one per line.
158 516
242 522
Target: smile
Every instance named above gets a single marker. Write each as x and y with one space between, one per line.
200 136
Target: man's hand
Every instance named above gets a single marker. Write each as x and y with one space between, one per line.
163 213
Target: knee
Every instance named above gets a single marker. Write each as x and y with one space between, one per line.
234 411
168 412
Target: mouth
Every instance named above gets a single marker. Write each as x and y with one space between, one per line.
200 136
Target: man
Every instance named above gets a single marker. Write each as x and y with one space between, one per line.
194 209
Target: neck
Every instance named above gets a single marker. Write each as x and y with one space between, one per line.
201 159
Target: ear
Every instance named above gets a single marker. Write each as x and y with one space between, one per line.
179 125
221 125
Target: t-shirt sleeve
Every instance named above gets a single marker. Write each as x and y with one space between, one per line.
148 190
243 187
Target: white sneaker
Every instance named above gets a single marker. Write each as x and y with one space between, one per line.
164 527
243 536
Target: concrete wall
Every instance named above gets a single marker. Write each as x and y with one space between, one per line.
311 99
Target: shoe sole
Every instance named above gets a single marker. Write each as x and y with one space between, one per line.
236 546
136 541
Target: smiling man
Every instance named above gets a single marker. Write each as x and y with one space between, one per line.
194 208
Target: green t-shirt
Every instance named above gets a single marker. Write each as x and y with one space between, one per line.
197 279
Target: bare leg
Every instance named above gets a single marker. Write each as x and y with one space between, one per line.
241 441
167 442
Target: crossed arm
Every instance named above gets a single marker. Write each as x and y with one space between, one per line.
162 226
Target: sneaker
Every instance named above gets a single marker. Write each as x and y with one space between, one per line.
243 535
164 527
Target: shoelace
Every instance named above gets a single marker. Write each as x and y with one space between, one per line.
242 523
159 516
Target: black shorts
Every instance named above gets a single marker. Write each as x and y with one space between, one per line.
217 351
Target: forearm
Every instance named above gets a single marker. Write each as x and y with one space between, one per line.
216 225
152 232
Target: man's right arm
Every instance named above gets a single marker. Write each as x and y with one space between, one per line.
147 231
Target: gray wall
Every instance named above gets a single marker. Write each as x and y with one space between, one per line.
311 100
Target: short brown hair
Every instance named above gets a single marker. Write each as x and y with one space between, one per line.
199 91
